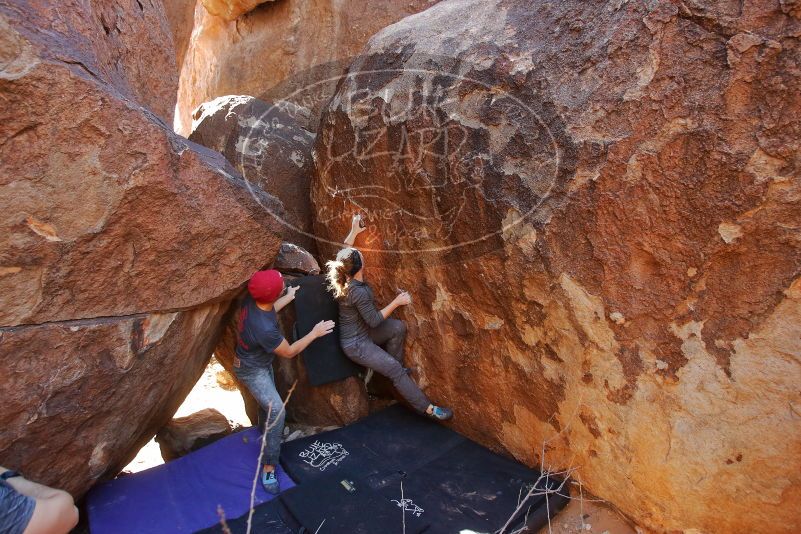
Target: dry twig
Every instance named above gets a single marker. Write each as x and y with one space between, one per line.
536 491
223 524
403 509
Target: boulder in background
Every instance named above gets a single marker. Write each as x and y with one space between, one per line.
304 47
230 9
185 434
269 145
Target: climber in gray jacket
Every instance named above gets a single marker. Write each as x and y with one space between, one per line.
363 328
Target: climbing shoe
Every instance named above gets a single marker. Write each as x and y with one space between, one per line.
269 479
440 413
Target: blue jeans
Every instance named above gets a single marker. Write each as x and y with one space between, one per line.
261 384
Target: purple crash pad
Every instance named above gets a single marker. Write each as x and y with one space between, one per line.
181 496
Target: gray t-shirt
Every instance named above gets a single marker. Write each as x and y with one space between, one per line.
357 313
16 509
258 336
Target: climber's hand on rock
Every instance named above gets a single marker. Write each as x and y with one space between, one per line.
403 299
291 290
323 328
357 224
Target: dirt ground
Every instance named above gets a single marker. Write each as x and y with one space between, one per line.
588 517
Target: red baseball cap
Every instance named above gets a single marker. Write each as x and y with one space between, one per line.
266 286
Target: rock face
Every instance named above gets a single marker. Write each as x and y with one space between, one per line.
293 260
292 49
335 404
268 144
230 9
180 16
113 37
186 434
123 242
595 206
81 397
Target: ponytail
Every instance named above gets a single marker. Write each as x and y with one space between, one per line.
340 270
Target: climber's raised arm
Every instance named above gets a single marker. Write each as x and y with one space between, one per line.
356 227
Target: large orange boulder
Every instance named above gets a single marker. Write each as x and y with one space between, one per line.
595 206
123 243
292 49
112 38
82 397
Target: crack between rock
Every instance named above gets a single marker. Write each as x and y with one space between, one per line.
107 319
707 23
78 322
81 65
18 133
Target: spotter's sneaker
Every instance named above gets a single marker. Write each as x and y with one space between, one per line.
270 482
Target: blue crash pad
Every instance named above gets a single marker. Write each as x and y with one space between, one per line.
182 496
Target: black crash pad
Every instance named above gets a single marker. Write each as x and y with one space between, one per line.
324 360
266 520
393 439
449 482
326 505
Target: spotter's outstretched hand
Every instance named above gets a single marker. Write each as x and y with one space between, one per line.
323 328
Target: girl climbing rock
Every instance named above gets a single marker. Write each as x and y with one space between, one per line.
363 328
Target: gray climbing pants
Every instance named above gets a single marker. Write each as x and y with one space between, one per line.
391 333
